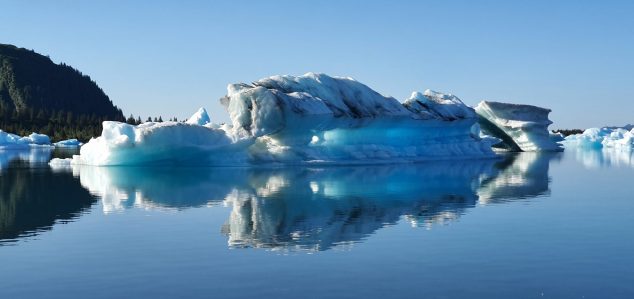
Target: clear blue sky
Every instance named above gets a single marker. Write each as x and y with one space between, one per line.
169 58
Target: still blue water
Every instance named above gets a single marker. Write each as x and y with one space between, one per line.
526 226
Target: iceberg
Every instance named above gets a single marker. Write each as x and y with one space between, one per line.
521 127
312 118
162 143
60 163
13 141
606 137
69 143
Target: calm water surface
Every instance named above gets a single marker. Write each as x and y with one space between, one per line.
526 226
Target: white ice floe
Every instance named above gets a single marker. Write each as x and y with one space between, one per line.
608 137
56 163
316 118
69 143
161 143
13 141
521 127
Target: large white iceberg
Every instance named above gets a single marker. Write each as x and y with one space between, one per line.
607 137
521 127
312 118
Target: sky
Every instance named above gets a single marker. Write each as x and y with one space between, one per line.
170 58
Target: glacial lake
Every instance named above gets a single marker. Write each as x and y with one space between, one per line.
550 225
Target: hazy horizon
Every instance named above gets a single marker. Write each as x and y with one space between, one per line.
574 58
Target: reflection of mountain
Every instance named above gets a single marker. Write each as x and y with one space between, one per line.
32 200
321 208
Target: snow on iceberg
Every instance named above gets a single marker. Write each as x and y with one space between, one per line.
312 118
200 118
13 141
608 137
521 127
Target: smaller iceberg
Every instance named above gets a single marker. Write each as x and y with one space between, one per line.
200 118
59 163
69 143
12 141
521 127
607 137
164 143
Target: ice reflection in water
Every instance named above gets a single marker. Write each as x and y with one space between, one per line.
605 157
28 157
321 208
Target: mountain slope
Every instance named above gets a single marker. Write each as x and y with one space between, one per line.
37 94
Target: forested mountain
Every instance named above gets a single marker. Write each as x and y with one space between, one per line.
37 95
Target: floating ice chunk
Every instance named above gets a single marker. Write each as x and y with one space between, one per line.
521 127
316 117
60 163
607 137
590 138
35 138
12 141
200 118
69 143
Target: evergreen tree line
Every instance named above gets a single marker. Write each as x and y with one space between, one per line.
137 121
58 125
568 132
37 95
